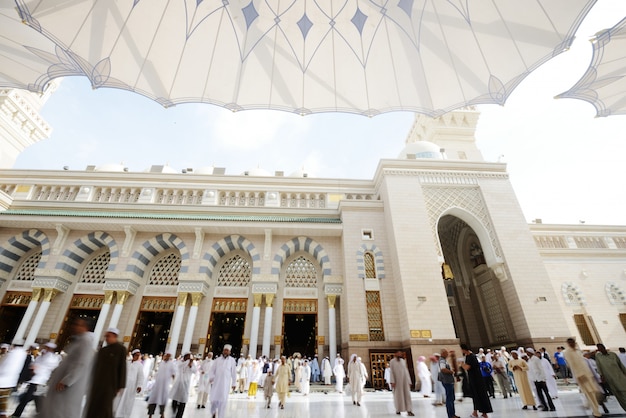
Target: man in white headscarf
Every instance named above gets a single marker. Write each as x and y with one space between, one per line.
223 379
161 387
339 373
185 369
123 403
203 382
356 376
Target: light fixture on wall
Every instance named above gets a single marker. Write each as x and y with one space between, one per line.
584 274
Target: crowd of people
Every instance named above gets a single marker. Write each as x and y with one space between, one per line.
529 372
106 383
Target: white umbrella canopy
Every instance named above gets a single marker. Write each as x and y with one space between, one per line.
365 57
604 83
28 60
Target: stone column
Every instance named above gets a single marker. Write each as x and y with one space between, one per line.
28 315
267 326
104 312
191 321
332 329
48 295
178 321
256 316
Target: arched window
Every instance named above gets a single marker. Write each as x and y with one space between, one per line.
236 271
301 273
165 271
96 268
27 269
370 266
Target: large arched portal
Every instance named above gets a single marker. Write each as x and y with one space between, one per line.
477 304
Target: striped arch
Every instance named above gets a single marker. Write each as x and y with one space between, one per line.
83 248
301 244
226 245
13 251
153 247
378 259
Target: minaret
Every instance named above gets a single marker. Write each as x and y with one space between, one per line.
21 125
452 132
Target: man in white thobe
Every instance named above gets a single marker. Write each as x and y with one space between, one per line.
223 378
203 382
587 383
339 373
123 403
161 387
327 371
180 390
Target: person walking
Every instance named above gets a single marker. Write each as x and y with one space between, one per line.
268 388
423 374
315 370
400 384
339 373
159 393
520 374
108 377
223 379
356 374
538 375
204 387
583 375
480 397
185 370
10 367
42 367
123 403
327 371
501 376
68 382
305 378
283 377
613 373
447 378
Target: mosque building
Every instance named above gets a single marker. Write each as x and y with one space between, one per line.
433 251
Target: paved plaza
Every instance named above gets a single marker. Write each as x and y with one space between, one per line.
375 404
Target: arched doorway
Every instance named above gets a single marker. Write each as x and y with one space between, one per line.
477 304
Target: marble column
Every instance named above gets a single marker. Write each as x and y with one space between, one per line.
28 315
177 323
122 297
104 312
267 325
48 295
256 316
332 329
191 321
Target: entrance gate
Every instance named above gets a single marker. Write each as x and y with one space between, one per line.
227 324
152 327
81 306
300 327
11 313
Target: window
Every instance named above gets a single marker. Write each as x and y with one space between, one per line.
367 234
236 271
586 329
96 268
165 271
27 269
374 316
370 266
301 273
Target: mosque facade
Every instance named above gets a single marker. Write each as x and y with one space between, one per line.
432 251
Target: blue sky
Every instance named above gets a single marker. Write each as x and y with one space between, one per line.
565 165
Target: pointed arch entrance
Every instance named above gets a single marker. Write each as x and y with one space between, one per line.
477 303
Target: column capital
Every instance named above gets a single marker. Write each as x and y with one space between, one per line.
331 301
182 299
36 294
333 289
258 298
108 296
196 297
49 294
122 297
269 299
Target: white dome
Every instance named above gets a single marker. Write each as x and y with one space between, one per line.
257 172
299 173
421 149
111 168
